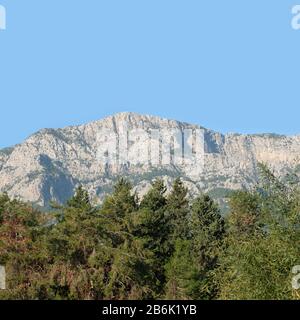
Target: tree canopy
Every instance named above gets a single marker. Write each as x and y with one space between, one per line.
163 246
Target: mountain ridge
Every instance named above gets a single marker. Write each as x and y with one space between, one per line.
50 163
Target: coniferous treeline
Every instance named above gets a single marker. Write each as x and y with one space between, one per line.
163 246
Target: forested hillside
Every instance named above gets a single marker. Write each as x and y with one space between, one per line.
163 246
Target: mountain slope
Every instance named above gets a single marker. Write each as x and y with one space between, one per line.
50 163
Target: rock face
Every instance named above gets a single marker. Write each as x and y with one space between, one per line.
51 163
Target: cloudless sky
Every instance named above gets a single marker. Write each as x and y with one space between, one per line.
229 65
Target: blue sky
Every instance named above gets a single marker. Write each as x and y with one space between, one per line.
232 66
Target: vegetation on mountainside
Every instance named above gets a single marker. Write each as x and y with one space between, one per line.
159 247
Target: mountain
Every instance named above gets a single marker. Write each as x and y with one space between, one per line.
51 163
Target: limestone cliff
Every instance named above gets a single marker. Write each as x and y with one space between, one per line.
50 163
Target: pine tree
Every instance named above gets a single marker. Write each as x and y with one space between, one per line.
182 274
191 271
151 229
207 229
117 208
177 211
80 200
130 261
73 242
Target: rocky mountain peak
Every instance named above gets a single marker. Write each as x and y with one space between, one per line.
52 162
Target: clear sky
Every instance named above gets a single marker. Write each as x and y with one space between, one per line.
229 65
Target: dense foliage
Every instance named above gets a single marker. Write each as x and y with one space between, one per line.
163 246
